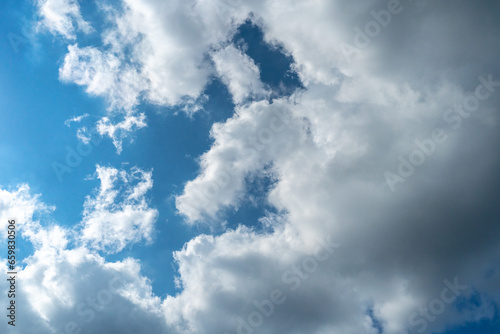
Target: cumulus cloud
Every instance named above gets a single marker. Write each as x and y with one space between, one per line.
67 287
132 65
62 17
118 215
417 97
103 75
357 122
78 290
239 73
246 143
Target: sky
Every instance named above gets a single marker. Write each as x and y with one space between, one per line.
240 167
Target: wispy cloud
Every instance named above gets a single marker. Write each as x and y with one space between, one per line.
62 17
76 119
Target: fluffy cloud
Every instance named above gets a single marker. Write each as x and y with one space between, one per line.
103 75
357 122
257 134
157 52
239 73
402 98
62 17
67 287
231 286
118 131
78 290
19 205
118 215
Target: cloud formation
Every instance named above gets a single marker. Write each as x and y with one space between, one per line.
239 73
111 226
379 79
62 17
66 284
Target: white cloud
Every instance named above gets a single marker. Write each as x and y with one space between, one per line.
104 75
83 135
76 119
67 286
19 205
62 17
156 52
239 73
224 277
118 131
330 160
328 147
246 143
355 120
118 215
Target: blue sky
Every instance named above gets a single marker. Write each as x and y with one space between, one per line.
301 140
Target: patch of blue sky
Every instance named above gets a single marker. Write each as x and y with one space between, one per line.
275 65
485 326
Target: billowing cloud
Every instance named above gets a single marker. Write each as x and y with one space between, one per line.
132 65
239 73
103 75
69 288
62 17
18 204
390 149
118 215
257 134
385 160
